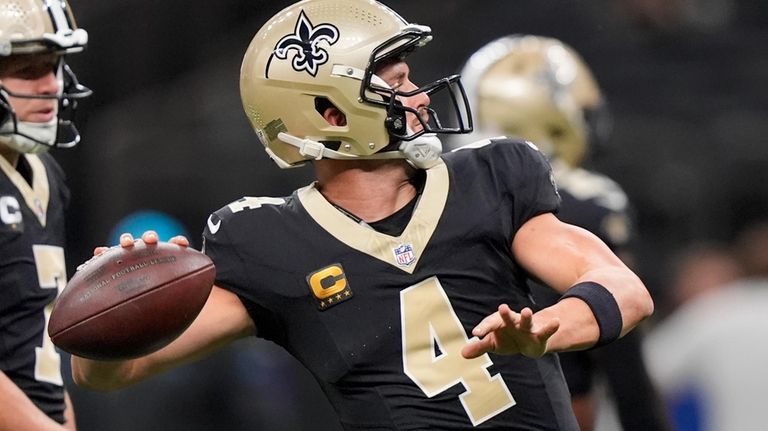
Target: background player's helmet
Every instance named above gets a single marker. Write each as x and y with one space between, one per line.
320 52
538 89
38 27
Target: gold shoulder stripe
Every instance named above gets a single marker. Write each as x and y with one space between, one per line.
38 194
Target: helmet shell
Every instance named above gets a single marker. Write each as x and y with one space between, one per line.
536 88
314 50
39 26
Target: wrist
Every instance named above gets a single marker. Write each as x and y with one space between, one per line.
604 308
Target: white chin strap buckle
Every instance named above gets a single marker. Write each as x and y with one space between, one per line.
307 147
424 151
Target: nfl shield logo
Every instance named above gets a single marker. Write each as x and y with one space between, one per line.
404 254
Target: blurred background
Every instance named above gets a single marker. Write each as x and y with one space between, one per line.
165 142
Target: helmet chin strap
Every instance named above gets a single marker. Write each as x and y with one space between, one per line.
422 152
31 138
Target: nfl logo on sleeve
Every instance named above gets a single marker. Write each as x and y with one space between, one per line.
404 254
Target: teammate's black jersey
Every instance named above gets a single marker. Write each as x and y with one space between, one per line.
595 203
32 271
380 320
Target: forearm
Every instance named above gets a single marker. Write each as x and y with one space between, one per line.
19 413
102 375
632 297
579 327
222 320
604 299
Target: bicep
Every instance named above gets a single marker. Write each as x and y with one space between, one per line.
559 254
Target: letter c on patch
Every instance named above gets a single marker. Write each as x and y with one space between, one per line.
328 281
10 211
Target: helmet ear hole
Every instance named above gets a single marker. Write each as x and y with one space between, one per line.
330 112
322 104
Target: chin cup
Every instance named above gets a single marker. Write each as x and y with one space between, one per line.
424 151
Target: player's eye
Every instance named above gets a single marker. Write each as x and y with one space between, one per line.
33 67
34 72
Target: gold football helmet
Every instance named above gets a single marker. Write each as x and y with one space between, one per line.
31 27
538 89
318 53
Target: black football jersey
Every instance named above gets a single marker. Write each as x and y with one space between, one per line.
32 272
596 203
380 320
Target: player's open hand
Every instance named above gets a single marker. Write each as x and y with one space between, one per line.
508 333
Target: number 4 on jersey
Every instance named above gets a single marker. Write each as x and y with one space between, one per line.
432 341
51 274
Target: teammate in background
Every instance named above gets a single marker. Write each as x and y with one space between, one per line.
540 89
398 277
36 88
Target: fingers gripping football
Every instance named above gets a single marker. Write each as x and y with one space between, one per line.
148 237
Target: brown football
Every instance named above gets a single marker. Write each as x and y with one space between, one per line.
128 302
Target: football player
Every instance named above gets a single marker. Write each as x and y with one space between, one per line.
37 91
398 278
539 89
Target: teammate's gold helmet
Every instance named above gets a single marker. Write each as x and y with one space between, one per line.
37 26
320 52
30 27
538 89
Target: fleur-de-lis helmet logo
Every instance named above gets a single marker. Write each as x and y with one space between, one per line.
305 40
